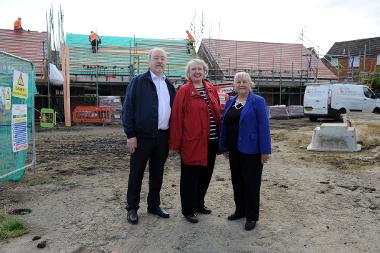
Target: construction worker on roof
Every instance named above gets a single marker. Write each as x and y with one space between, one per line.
95 41
190 41
17 25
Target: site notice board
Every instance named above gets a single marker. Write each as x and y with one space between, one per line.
17 133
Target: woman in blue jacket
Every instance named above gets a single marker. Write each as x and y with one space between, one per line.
245 140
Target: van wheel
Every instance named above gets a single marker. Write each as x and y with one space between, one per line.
313 118
377 110
342 111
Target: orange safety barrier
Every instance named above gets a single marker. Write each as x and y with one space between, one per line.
92 114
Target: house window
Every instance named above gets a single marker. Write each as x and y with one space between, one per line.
334 62
378 60
354 62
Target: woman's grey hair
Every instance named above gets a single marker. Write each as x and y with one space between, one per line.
198 61
243 76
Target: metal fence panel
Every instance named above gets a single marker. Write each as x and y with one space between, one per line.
17 132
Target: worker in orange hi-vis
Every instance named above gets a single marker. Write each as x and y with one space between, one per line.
190 41
17 25
95 41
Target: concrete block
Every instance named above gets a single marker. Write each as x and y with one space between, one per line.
334 137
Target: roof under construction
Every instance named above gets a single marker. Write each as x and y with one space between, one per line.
29 45
263 58
123 55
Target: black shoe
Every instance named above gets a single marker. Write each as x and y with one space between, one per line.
204 210
159 211
235 216
192 218
250 224
132 216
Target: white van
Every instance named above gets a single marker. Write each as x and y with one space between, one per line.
327 100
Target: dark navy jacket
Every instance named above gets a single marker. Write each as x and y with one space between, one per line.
254 132
140 107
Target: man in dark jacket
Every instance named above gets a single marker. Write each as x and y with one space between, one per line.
146 114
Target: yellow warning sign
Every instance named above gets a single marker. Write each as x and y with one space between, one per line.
7 98
20 81
20 84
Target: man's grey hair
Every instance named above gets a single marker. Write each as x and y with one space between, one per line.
157 49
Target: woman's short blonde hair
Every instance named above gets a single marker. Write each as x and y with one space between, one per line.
198 61
243 76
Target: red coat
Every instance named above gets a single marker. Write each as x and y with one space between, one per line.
190 123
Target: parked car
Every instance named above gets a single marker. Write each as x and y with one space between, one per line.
329 100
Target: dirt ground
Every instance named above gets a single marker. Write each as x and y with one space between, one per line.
310 201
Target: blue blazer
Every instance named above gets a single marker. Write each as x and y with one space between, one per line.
254 132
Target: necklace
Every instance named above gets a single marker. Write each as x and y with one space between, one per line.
238 105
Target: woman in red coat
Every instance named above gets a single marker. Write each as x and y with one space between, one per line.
194 132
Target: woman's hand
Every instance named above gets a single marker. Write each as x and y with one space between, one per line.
264 158
226 155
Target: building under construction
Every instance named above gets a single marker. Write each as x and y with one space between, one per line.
87 75
107 72
279 70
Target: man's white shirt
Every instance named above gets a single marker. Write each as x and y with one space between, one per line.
164 109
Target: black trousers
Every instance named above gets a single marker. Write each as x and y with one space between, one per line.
246 171
190 46
195 181
156 151
95 46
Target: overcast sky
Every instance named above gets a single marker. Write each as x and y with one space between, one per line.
323 21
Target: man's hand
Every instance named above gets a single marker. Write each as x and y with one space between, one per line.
264 158
132 144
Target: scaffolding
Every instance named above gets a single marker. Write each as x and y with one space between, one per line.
106 73
282 81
